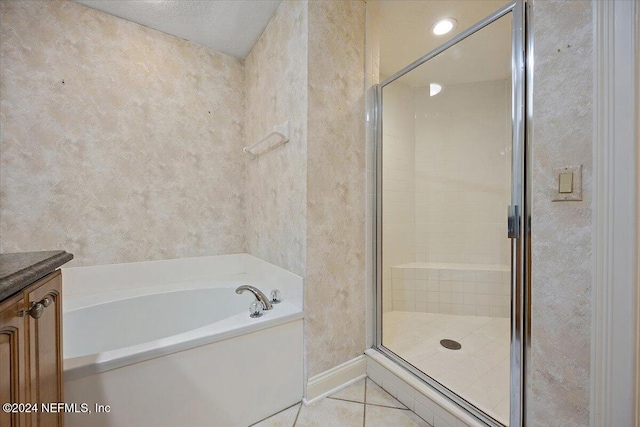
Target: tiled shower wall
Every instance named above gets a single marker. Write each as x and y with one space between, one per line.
446 169
462 173
399 182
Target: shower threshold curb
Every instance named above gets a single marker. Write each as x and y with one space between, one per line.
452 414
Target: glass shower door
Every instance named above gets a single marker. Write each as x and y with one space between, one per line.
450 162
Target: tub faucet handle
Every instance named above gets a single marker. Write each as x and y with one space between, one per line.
256 308
276 296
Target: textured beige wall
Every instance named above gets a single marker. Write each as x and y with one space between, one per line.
335 279
561 239
306 199
119 143
276 90
372 78
137 168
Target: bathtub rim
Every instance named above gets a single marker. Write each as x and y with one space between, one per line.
94 280
81 366
80 302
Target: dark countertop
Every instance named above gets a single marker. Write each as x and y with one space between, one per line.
19 270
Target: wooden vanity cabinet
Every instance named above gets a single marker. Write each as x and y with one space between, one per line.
31 352
13 359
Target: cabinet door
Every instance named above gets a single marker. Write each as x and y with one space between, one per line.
45 347
13 360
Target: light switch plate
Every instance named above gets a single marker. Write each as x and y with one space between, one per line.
565 184
574 195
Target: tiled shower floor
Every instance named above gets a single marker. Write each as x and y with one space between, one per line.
478 372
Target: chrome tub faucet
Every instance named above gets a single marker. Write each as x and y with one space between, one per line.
257 293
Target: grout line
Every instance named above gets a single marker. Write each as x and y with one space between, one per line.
297 415
390 407
273 415
364 416
390 395
344 400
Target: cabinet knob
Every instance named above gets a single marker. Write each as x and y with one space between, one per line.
37 308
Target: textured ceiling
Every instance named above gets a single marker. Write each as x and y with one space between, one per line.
228 26
406 36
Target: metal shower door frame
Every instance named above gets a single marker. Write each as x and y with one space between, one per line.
519 211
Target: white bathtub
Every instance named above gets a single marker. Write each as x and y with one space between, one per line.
170 343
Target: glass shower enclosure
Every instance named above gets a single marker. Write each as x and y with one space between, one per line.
450 196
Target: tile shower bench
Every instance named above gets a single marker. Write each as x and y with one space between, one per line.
466 289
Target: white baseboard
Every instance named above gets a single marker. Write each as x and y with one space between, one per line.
335 379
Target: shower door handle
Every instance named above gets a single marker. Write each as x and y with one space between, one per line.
513 222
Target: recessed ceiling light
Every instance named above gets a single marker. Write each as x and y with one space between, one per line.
443 26
434 89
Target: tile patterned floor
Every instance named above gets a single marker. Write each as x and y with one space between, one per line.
478 372
363 404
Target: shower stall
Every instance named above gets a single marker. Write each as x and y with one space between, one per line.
451 204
